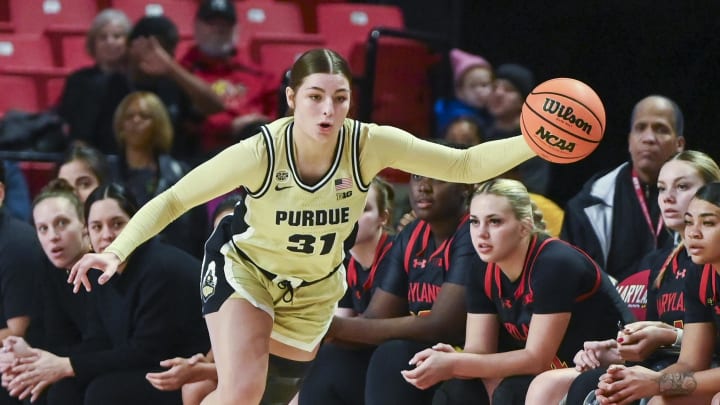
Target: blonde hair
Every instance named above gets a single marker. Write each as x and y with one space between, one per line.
519 199
709 171
162 130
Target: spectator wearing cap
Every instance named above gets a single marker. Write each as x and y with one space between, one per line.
472 85
249 94
511 86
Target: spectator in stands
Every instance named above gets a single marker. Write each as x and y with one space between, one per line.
86 102
511 86
615 218
250 95
20 265
142 318
464 130
152 68
145 136
84 168
472 85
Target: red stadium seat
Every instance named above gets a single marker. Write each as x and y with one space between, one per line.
308 9
265 16
34 16
344 25
276 53
23 91
24 51
182 13
68 47
37 174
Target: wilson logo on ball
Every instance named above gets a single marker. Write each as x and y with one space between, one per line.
566 113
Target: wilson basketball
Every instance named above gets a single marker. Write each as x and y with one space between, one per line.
563 120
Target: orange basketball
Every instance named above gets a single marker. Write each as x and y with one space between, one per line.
563 120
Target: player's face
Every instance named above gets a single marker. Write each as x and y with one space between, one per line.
137 125
702 232
677 183
105 221
110 44
60 232
653 140
495 231
78 174
371 220
433 200
476 87
320 106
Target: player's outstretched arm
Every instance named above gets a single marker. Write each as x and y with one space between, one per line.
106 262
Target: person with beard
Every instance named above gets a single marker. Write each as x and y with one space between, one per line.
249 94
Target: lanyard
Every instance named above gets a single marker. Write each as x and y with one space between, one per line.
644 207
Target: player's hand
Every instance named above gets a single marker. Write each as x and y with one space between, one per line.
152 58
106 262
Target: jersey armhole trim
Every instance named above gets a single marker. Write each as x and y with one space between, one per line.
355 150
271 164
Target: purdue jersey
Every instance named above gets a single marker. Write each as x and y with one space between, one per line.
296 230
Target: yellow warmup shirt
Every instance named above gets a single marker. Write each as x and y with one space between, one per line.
296 230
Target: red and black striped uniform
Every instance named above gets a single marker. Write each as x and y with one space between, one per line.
361 281
556 278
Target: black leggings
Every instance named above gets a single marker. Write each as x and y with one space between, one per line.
119 388
510 391
336 376
385 384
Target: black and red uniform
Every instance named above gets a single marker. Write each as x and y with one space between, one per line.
418 267
557 278
361 280
665 303
415 268
702 299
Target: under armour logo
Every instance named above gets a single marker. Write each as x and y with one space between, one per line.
420 263
680 274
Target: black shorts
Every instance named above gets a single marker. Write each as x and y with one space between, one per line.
214 288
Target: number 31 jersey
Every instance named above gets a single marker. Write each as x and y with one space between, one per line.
296 229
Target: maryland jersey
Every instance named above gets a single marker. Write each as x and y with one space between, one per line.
297 229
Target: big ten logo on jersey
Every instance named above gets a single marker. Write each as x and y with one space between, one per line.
343 188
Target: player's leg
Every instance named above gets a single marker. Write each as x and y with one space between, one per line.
551 386
240 338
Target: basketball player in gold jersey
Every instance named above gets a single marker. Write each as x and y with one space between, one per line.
306 177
